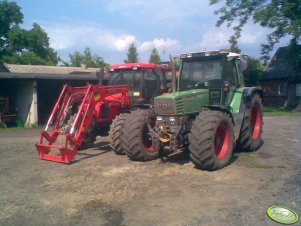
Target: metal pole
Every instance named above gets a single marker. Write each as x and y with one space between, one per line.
174 78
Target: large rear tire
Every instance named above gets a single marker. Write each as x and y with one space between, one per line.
251 129
136 140
211 140
115 133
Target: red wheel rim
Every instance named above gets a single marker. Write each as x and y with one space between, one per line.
221 141
255 122
147 142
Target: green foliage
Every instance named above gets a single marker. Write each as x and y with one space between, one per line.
154 57
77 59
234 46
20 46
282 17
10 17
253 72
132 55
26 58
294 52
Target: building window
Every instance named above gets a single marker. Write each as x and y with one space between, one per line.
282 89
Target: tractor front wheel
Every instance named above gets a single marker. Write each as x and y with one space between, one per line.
211 140
135 137
115 133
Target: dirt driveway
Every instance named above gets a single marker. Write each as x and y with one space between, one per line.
101 188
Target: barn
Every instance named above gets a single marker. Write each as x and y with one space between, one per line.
29 92
281 81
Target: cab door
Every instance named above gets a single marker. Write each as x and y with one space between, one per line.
231 81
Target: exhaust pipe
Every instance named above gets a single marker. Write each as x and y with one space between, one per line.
173 73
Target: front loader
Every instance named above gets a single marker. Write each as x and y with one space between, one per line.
72 121
82 113
209 115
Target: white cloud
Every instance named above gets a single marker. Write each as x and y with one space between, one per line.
214 39
251 34
123 42
159 43
66 37
80 35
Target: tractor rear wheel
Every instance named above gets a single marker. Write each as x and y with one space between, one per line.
211 140
115 133
135 137
251 129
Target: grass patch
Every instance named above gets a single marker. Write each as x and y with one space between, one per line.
258 165
15 129
250 161
282 167
280 111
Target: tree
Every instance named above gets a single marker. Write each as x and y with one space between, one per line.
253 72
154 57
10 18
234 45
132 55
33 43
282 16
22 46
77 59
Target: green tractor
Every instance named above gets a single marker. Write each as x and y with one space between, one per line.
209 114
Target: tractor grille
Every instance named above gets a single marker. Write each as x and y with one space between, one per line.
215 97
164 107
180 106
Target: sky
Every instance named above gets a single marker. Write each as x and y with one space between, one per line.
109 27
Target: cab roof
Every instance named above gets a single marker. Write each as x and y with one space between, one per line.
205 54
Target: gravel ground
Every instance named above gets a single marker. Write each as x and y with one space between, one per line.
101 188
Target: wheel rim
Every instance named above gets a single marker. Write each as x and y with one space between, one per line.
255 122
147 142
221 141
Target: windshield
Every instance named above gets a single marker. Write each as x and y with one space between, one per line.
196 74
130 78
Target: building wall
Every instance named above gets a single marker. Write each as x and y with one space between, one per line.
26 102
279 93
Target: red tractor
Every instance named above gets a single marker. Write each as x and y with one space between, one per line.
82 113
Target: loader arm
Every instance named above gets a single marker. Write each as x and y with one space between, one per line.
70 119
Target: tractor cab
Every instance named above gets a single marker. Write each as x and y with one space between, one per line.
218 71
145 80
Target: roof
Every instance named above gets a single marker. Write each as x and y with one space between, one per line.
41 69
3 68
80 76
138 65
279 67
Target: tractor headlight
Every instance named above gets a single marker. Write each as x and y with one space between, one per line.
172 119
159 118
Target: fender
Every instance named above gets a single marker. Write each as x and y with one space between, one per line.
245 104
219 108
247 97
